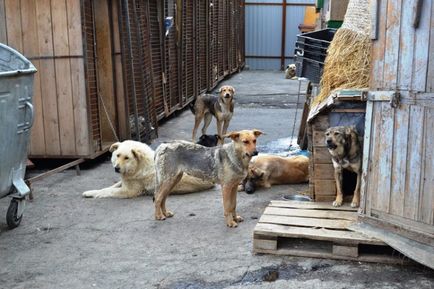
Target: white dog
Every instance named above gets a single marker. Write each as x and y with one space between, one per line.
135 162
290 71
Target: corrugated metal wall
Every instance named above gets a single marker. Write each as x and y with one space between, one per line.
264 25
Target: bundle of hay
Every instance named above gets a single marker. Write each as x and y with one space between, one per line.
349 54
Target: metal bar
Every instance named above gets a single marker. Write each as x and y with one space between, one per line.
112 42
282 50
130 56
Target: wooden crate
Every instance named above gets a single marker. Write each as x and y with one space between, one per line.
317 230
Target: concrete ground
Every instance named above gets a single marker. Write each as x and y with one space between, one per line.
66 241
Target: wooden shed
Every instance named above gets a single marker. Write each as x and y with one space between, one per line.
109 69
344 107
398 160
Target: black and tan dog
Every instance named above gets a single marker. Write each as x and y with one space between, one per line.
208 140
226 165
344 146
221 107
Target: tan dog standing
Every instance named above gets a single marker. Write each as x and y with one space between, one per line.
344 146
226 165
221 107
134 161
268 170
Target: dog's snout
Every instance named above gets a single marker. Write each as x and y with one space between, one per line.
255 153
117 169
227 95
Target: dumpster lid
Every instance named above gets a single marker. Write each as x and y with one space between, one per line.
12 62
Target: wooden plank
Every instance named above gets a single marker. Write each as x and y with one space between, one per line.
325 198
318 137
3 32
350 251
44 22
78 86
37 137
324 172
366 156
311 205
391 56
264 242
120 94
421 49
426 210
325 187
419 252
13 24
66 114
372 179
60 27
51 121
414 162
305 222
430 78
29 29
75 37
79 102
321 155
105 71
406 40
347 237
326 214
63 77
399 160
31 49
378 48
321 122
385 159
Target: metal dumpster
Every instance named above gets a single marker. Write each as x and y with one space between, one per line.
16 119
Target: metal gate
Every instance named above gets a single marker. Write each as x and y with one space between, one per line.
271 31
136 62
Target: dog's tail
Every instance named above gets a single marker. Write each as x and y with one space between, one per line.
191 106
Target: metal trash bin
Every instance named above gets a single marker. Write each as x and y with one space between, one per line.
16 119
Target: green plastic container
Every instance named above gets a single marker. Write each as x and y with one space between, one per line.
334 24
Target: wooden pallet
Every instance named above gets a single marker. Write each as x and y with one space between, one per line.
317 230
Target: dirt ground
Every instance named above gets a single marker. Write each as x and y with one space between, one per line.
66 241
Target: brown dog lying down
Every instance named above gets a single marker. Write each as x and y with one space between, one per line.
134 161
267 170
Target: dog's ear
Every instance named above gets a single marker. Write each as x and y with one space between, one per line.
233 90
257 132
137 154
220 89
114 146
234 135
257 173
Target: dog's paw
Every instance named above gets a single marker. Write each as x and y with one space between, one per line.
89 194
232 224
168 214
354 204
238 219
337 203
160 217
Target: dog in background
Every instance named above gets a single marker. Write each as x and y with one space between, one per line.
290 71
267 170
208 140
134 161
221 107
226 165
344 146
